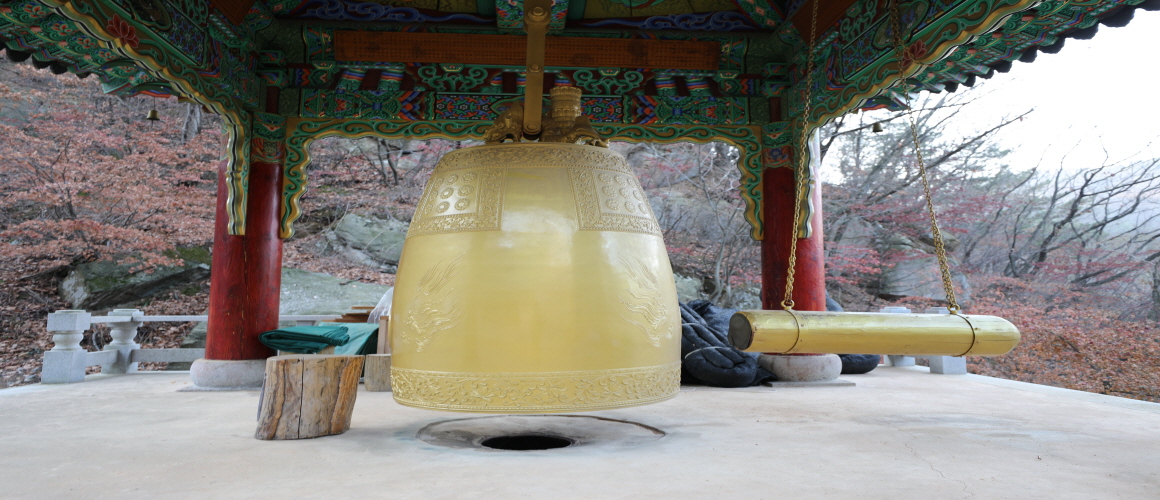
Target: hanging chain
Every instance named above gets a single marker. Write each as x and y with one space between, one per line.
802 165
940 250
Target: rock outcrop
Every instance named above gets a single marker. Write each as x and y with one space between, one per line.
691 289
688 289
107 283
367 240
917 274
304 292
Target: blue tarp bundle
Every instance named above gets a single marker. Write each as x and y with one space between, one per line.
706 355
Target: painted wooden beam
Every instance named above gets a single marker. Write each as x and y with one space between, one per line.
508 50
829 13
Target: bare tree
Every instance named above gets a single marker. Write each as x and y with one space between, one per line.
384 158
694 189
191 122
1103 211
873 177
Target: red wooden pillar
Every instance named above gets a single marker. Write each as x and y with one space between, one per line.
809 292
263 255
226 282
246 271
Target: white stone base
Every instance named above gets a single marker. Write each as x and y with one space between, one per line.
802 368
216 374
893 360
947 365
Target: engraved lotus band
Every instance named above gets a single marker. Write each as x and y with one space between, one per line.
536 392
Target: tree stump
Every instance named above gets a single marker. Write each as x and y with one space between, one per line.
325 350
307 395
377 377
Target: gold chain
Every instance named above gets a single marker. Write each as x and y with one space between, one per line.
939 250
802 165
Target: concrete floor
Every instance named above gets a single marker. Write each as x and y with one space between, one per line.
899 433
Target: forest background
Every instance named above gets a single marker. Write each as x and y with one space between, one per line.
1070 256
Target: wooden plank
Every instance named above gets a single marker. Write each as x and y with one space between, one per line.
384 345
290 395
344 405
509 50
377 377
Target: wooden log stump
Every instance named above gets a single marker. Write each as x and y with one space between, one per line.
377 377
325 350
307 395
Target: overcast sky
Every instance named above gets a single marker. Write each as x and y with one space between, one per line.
1093 95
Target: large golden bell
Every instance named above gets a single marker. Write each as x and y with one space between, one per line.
534 279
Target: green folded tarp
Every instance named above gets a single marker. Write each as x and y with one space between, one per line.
364 338
305 339
348 338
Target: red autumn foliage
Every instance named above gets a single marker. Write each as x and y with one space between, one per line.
1071 341
82 184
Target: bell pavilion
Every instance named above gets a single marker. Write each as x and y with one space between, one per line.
760 75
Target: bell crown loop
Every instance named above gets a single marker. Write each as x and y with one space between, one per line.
565 123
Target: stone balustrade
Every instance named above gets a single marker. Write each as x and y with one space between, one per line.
67 362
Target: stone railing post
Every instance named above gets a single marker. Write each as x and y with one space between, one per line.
124 335
65 363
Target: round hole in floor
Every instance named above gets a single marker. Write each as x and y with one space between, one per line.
552 433
526 442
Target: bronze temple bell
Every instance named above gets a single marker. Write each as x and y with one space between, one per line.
534 279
